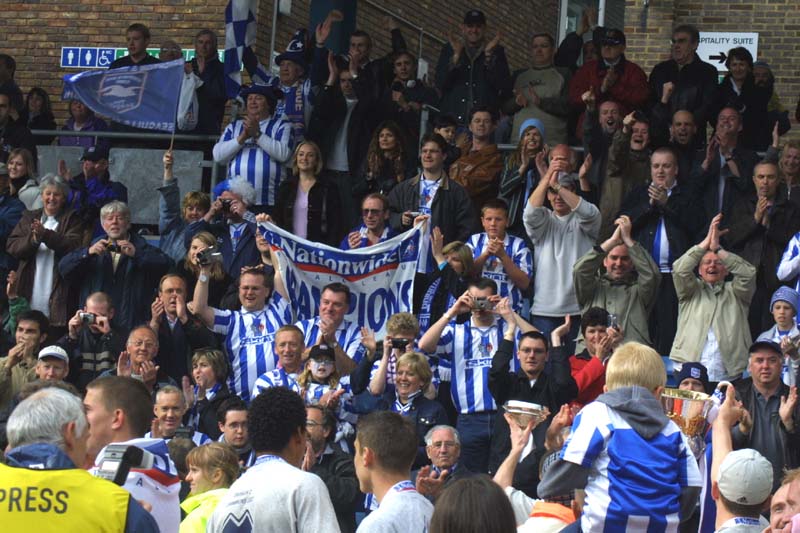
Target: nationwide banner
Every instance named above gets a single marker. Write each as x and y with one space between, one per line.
138 96
380 277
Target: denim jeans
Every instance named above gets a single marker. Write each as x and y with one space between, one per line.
475 430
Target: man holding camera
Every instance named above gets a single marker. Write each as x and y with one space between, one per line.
232 224
92 343
469 348
50 477
120 264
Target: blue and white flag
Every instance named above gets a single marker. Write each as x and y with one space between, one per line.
380 277
240 35
139 96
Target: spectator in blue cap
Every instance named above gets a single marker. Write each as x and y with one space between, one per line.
521 172
693 377
783 307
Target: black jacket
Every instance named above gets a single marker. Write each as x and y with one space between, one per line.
328 116
682 218
451 209
753 102
177 345
91 354
207 411
550 390
324 210
706 185
211 97
424 414
131 286
789 440
15 134
338 472
695 91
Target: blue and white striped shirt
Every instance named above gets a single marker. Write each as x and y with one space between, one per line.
348 335
493 269
789 267
275 378
469 350
295 107
624 498
260 161
249 338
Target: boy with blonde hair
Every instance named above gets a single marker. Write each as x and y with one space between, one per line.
634 463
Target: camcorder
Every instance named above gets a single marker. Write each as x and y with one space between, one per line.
118 459
208 256
88 319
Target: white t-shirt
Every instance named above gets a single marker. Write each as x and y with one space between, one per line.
402 510
274 496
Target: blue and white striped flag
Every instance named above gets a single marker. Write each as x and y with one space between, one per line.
240 35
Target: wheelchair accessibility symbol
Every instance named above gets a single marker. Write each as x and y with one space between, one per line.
105 56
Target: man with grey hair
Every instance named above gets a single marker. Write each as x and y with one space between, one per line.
120 264
44 485
443 446
231 222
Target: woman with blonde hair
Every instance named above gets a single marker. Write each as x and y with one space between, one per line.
213 468
308 204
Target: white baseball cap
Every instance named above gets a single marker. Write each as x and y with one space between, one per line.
745 477
54 351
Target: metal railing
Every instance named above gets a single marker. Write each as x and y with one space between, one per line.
183 137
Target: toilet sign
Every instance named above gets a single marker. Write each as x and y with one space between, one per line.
714 46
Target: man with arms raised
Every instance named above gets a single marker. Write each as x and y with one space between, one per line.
249 332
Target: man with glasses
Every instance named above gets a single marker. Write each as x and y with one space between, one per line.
683 82
334 466
374 227
443 446
250 332
530 383
138 360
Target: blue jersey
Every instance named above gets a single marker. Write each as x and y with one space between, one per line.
789 267
295 107
634 483
260 161
348 335
275 378
469 350
493 269
249 338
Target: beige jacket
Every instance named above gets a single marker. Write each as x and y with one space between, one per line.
722 306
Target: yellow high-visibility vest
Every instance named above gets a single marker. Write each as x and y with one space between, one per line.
60 501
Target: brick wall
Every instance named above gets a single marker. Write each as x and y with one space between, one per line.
776 21
35 30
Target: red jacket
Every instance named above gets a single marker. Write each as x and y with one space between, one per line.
630 91
590 375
